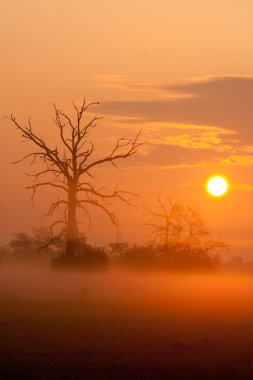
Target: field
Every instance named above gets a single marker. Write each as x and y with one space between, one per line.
120 325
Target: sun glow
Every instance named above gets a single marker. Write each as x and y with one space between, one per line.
217 186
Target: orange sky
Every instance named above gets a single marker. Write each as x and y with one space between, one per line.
180 70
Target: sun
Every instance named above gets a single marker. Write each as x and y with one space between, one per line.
217 186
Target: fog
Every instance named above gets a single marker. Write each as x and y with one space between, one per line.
218 294
124 325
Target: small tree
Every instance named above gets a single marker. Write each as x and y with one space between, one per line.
180 229
21 244
68 168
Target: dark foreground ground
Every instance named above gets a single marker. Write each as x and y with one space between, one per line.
125 326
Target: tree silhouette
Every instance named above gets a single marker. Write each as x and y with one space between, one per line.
180 227
21 243
68 167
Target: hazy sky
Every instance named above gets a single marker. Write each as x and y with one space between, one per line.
180 70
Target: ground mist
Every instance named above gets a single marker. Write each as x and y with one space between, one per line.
124 325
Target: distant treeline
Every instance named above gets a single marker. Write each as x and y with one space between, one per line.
40 246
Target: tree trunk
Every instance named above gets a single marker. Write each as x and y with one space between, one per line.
166 237
71 233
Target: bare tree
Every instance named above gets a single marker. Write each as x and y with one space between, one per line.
180 227
68 167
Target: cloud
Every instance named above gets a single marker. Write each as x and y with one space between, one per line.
217 117
238 160
120 82
225 102
241 186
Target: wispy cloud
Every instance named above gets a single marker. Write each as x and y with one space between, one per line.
241 186
238 160
122 83
214 125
